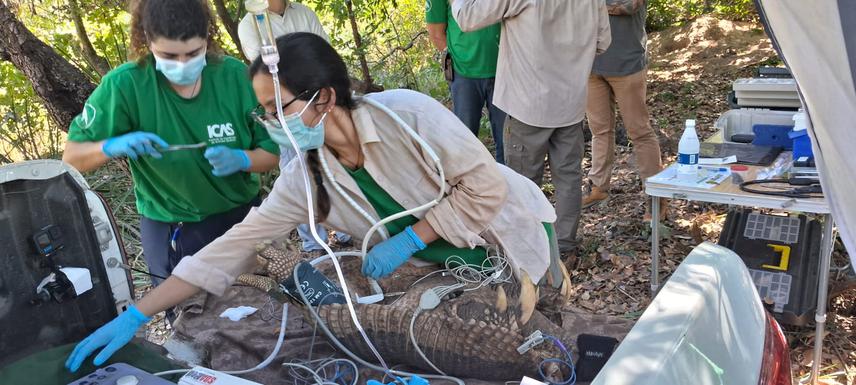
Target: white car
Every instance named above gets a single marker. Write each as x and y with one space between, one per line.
706 326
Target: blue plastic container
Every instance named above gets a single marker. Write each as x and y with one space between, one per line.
774 135
802 144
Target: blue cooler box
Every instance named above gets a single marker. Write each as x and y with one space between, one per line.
802 144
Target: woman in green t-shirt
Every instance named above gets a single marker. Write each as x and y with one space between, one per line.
179 91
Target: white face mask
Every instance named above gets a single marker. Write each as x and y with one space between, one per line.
181 73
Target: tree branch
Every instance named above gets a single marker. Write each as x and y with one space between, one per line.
230 24
95 60
62 87
403 48
358 41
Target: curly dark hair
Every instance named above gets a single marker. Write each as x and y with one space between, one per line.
171 19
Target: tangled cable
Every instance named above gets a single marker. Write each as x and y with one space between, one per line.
493 270
336 371
568 361
783 188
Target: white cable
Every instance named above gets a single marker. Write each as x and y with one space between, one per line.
378 226
481 276
441 177
168 372
262 364
416 343
347 197
275 351
317 368
349 362
318 378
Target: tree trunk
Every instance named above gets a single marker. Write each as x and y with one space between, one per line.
230 24
62 86
96 61
368 82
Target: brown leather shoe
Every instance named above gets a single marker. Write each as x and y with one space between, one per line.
664 210
595 196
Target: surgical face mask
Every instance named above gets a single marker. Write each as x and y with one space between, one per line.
181 73
307 138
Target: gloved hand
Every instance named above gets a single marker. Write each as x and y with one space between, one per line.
415 380
115 334
133 145
227 161
388 255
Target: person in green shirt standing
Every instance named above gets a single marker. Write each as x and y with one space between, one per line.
473 61
178 92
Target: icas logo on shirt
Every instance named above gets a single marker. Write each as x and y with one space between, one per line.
221 133
87 116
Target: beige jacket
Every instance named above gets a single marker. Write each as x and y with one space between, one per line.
485 203
546 51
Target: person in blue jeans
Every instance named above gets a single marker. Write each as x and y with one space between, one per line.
473 69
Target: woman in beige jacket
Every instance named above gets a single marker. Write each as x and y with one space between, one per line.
383 169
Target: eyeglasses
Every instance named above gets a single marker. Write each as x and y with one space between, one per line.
262 115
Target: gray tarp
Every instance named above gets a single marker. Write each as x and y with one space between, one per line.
817 40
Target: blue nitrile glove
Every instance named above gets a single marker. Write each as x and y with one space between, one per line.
388 255
115 334
415 380
227 161
133 145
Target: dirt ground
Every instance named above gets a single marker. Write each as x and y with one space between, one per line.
691 70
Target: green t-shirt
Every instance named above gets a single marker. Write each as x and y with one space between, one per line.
437 251
473 53
179 187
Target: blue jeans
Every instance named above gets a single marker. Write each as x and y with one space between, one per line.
469 97
309 243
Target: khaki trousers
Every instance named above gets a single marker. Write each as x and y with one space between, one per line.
525 149
629 93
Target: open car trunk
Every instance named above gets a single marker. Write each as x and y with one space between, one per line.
50 198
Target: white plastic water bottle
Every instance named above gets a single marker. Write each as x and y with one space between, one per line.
800 120
688 149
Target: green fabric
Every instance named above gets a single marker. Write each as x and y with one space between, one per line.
473 53
180 187
551 233
437 251
48 367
